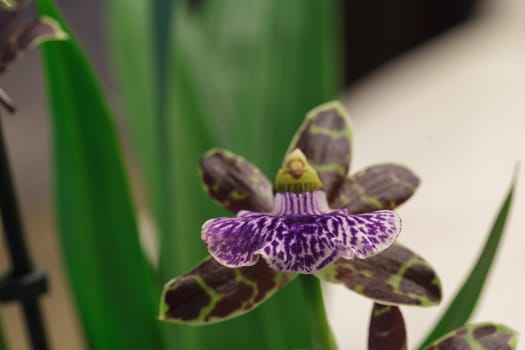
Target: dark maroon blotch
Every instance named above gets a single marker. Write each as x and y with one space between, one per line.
232 301
186 299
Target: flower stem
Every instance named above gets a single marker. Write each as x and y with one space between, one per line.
322 337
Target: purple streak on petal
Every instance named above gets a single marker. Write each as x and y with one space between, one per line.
300 235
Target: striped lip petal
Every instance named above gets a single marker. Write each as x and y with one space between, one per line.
301 235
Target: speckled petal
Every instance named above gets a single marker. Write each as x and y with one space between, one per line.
482 336
396 276
299 236
212 292
325 137
235 183
383 186
387 329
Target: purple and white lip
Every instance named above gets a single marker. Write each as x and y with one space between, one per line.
301 234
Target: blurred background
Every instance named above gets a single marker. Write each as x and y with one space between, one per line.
436 85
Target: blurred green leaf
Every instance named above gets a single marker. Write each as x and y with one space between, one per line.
461 308
242 76
113 285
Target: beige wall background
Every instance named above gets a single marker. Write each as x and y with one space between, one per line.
454 110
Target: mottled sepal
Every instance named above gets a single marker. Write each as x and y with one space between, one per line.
383 186
235 183
482 336
325 138
396 276
212 292
21 30
387 329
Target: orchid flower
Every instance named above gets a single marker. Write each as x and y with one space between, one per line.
313 220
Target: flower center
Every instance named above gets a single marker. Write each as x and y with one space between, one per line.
296 175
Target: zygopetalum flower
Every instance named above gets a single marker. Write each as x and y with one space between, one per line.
301 234
314 220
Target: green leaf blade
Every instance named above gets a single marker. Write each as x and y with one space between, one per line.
237 81
113 285
463 304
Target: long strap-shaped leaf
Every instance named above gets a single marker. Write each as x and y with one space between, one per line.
465 301
111 280
242 74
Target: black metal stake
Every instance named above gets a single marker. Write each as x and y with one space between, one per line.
21 283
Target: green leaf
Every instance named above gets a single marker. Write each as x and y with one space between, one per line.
325 137
395 276
322 337
387 329
111 280
242 75
481 336
212 292
382 186
463 304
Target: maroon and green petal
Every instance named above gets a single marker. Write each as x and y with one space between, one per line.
396 276
325 137
387 329
482 336
383 186
235 183
19 33
212 292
